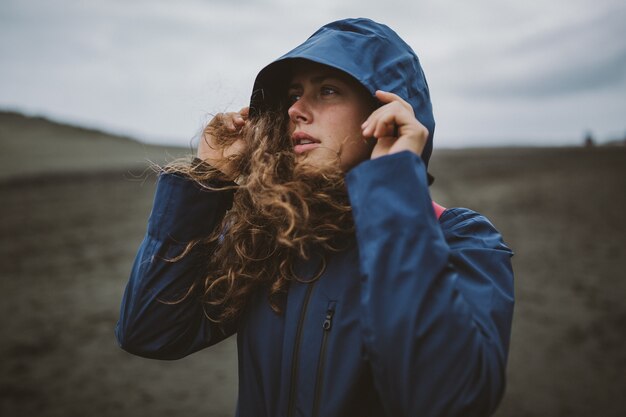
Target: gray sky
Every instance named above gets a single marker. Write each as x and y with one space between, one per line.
501 72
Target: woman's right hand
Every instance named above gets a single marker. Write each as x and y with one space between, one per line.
221 149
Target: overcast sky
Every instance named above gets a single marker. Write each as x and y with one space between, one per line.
501 72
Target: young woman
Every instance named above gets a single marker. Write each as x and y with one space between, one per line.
305 226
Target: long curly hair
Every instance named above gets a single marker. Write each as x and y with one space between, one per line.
283 209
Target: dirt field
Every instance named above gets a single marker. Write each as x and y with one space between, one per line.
69 235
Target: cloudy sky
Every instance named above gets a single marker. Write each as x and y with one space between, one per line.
501 72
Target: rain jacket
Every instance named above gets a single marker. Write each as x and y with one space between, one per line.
412 320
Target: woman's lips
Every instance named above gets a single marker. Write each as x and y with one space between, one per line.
303 142
305 147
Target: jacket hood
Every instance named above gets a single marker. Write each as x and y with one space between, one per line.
370 52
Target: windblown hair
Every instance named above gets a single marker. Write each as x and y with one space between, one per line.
282 211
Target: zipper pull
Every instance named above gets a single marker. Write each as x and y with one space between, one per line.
328 321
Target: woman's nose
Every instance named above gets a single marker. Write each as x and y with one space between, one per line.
299 111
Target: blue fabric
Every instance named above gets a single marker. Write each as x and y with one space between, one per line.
413 319
422 307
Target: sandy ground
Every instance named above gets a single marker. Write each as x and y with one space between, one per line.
68 242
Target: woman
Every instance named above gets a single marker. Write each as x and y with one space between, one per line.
351 292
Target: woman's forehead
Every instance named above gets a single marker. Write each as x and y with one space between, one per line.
309 70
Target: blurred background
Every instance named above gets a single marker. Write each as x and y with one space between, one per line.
530 103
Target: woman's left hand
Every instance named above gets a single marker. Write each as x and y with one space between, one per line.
394 126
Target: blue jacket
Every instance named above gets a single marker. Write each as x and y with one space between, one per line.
413 319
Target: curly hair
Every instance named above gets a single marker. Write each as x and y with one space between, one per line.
283 210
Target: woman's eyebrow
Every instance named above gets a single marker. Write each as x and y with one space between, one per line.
324 77
316 80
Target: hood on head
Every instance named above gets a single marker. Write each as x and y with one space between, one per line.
370 52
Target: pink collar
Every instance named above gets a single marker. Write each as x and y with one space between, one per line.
438 210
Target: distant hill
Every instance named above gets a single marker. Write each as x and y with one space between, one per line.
30 146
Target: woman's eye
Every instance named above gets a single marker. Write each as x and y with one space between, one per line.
327 91
293 97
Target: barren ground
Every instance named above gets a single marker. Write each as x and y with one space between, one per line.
70 232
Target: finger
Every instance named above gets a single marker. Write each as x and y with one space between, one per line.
233 121
385 125
224 119
229 122
379 128
216 120
395 110
393 117
369 126
241 117
238 120
384 130
387 97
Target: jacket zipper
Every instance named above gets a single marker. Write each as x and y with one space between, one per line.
319 379
296 353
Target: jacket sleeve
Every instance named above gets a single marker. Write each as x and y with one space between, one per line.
436 296
148 326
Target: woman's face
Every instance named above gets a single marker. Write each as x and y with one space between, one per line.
327 108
